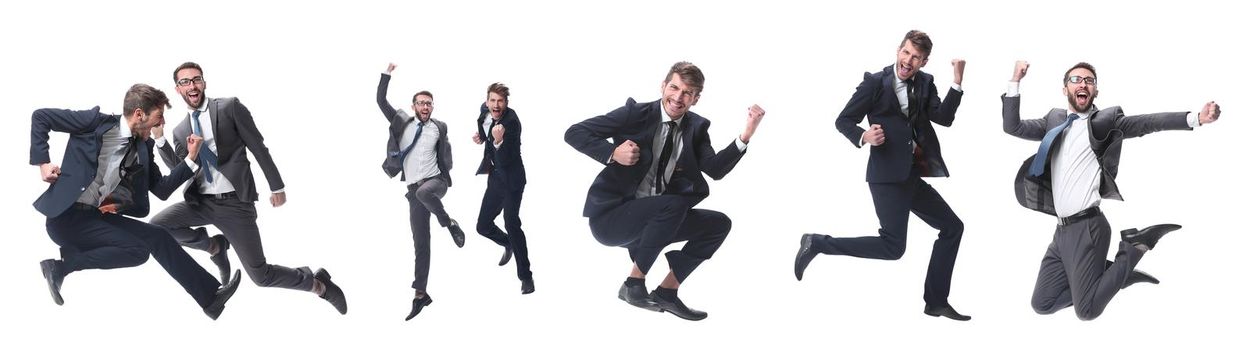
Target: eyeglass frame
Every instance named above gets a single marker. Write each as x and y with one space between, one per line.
1077 79
188 81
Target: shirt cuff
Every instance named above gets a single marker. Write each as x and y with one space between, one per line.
861 139
194 167
742 146
1013 88
160 142
281 190
957 87
385 73
1192 119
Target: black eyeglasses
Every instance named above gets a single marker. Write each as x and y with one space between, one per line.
1077 79
186 81
425 103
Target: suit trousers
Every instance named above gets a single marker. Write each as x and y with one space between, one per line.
645 226
498 198
894 203
1074 271
237 221
423 200
91 240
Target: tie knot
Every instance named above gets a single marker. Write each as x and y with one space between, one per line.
195 114
671 124
1073 116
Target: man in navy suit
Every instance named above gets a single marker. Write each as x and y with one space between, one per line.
505 182
901 103
1074 169
644 198
108 169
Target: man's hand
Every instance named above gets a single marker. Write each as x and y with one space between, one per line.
110 208
497 131
49 172
874 136
194 143
755 114
1210 113
958 63
158 131
390 68
626 154
1022 68
277 199
477 138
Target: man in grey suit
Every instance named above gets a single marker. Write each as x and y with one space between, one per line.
1073 170
223 192
418 150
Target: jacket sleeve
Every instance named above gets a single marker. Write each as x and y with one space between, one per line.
1032 129
856 109
255 143
591 136
44 121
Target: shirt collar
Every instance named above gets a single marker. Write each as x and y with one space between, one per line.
664 117
1086 115
203 107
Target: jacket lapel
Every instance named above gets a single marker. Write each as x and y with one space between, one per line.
887 85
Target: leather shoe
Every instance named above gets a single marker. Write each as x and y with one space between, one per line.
223 294
527 286
805 255
418 304
677 308
457 235
221 259
54 273
945 311
637 296
332 292
507 255
1148 236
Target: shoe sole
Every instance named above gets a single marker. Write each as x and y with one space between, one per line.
47 276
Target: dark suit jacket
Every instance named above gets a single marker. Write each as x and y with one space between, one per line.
507 159
892 160
617 183
82 153
234 132
399 120
1107 130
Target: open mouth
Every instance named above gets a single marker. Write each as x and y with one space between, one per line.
904 70
1082 97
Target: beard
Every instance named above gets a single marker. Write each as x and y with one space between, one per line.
1075 107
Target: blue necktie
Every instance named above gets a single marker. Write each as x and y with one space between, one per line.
404 154
208 159
1043 151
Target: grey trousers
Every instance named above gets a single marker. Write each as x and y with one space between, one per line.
424 199
237 221
1074 271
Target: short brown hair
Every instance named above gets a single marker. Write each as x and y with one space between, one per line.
144 97
422 92
689 73
187 65
920 39
498 88
1088 66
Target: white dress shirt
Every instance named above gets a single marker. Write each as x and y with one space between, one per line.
422 162
647 187
108 164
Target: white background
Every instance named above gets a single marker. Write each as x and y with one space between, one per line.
308 73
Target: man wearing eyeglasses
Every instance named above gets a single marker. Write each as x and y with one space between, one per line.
223 191
418 151
108 171
499 129
1074 168
654 156
901 104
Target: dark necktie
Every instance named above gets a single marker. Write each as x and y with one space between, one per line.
404 154
122 193
665 154
207 159
490 134
913 105
1043 151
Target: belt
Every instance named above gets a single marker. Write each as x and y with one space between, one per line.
81 206
227 195
1081 215
415 185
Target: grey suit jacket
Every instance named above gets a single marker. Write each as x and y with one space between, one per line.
1108 129
399 119
235 132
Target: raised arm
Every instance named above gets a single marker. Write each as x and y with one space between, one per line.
1032 129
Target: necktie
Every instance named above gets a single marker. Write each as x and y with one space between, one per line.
665 154
490 134
1043 151
207 158
913 107
404 154
120 192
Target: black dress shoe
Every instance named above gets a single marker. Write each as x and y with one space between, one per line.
1148 236
677 308
54 273
507 255
945 311
418 304
805 255
221 259
527 286
457 235
223 294
332 293
637 296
